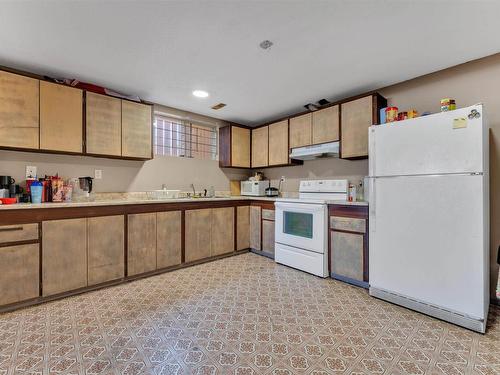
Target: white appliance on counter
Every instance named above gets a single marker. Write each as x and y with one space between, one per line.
301 225
254 188
429 215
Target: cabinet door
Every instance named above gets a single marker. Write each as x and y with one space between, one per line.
347 254
278 141
325 125
19 111
240 147
106 246
300 130
141 243
260 147
356 117
61 118
242 227
104 124
198 234
222 230
64 255
19 273
136 130
255 219
268 237
168 238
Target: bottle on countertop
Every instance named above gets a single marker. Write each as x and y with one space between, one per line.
352 193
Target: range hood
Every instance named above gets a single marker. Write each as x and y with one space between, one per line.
324 150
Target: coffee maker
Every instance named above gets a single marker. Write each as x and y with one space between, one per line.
7 187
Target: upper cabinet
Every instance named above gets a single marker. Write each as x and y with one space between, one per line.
136 130
325 125
240 147
260 147
356 116
104 125
61 118
278 143
19 111
301 130
234 147
51 117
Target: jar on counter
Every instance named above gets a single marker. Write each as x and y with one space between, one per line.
391 114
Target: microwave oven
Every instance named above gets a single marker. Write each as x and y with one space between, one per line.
254 188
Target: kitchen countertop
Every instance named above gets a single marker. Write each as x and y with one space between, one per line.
118 202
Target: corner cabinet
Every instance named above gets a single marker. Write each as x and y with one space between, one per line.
234 147
137 130
356 116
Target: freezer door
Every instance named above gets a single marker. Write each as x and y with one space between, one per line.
427 240
448 142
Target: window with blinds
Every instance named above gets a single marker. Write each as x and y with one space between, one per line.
174 137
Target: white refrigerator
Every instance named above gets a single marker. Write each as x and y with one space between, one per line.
429 215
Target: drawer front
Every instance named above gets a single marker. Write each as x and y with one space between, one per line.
268 214
21 232
347 255
348 224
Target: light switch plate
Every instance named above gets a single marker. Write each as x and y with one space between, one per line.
98 174
30 171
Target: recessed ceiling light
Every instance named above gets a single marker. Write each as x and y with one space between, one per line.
265 44
200 93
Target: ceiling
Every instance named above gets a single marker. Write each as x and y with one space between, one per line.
163 50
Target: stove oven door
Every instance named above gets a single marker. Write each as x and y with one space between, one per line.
301 225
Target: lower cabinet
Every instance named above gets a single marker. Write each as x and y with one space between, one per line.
268 237
198 234
349 244
242 227
64 259
168 239
19 273
106 244
141 243
222 231
255 223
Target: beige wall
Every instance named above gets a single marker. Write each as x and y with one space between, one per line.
124 175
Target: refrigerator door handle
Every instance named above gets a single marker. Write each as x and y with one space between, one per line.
371 151
372 200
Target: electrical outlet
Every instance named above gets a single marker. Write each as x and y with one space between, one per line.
98 174
30 172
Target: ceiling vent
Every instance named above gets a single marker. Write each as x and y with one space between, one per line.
218 106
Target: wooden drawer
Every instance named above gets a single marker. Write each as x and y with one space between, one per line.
348 224
267 214
21 232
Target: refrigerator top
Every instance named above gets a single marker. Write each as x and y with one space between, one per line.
454 142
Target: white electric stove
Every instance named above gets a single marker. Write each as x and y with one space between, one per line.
301 226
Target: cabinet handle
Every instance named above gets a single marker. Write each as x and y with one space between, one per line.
10 229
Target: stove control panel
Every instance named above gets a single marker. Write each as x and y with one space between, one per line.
324 186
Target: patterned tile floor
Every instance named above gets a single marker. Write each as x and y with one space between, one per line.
240 315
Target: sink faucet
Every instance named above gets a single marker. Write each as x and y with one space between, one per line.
194 191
